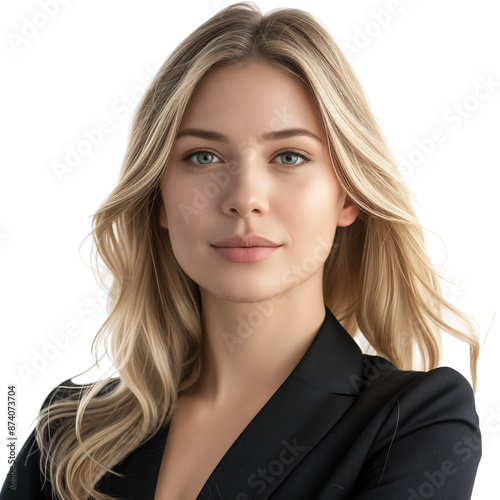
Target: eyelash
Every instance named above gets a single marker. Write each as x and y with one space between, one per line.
301 154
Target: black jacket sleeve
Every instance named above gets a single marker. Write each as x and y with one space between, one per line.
430 444
25 480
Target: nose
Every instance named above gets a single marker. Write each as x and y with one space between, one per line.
247 191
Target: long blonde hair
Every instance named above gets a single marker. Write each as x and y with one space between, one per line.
390 289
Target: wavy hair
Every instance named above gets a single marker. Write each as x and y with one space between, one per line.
153 333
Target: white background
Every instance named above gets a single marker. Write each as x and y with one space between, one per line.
420 63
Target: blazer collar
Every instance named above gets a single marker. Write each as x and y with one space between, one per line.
331 361
312 399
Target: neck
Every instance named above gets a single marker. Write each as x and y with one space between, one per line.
251 348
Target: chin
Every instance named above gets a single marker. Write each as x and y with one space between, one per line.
243 294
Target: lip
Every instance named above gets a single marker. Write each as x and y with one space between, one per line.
245 254
244 241
245 248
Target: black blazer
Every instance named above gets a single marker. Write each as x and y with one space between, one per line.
343 425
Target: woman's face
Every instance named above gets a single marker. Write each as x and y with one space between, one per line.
232 179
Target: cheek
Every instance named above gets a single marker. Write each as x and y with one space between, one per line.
312 210
186 214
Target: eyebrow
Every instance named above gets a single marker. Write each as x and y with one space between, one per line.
266 136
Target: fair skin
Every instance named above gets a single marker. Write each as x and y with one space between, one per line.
240 186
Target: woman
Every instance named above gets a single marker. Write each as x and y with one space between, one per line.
260 219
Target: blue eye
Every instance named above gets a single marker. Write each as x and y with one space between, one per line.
293 156
206 157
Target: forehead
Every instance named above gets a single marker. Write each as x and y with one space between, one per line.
254 96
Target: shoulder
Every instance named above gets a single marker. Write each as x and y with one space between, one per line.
422 424
437 394
68 389
25 478
381 376
415 398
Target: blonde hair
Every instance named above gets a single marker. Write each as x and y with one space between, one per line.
390 290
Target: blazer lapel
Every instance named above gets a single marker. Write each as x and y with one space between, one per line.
305 407
312 399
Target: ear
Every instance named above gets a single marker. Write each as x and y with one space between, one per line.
163 214
348 213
